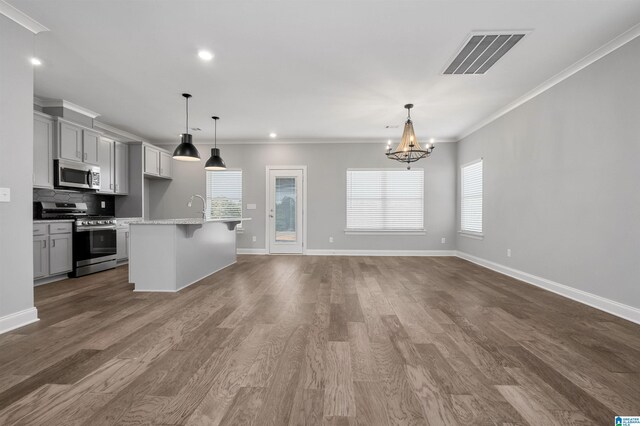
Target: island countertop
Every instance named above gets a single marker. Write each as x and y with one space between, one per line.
188 221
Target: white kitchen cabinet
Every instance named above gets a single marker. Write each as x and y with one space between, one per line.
40 256
166 164
43 128
90 147
151 161
60 253
122 243
106 155
121 168
69 141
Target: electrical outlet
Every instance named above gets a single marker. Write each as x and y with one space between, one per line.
508 252
330 239
254 239
103 204
443 240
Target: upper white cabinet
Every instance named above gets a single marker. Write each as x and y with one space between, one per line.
90 147
157 163
106 154
77 143
151 161
69 141
165 165
43 128
122 168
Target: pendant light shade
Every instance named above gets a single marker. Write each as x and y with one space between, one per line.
215 162
409 150
186 151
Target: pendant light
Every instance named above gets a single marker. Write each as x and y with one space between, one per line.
215 162
409 150
186 151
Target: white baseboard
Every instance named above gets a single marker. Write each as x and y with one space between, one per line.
251 251
607 305
18 319
323 252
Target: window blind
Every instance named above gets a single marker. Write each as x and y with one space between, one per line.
471 199
224 194
385 200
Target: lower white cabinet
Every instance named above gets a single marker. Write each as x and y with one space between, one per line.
122 243
52 249
40 256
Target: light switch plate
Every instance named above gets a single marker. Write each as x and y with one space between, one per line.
5 195
103 204
251 206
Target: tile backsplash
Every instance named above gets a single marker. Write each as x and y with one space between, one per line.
92 199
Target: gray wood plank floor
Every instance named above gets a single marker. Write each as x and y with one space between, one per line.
304 340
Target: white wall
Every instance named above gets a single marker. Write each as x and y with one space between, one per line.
16 166
562 182
327 165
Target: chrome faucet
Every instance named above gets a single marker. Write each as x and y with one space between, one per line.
204 205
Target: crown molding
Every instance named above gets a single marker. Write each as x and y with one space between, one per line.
301 141
21 18
597 54
117 132
49 103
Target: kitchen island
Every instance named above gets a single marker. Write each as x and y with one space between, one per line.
171 254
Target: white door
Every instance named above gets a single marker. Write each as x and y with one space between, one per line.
285 215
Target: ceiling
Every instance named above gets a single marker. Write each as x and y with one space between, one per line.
304 69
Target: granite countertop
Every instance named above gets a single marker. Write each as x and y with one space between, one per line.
53 220
186 221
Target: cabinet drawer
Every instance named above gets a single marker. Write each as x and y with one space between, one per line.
40 229
60 228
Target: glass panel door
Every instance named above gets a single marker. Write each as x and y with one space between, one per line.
285 211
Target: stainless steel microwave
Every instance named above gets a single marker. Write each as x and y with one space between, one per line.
77 175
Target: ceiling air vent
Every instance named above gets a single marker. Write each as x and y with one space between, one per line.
482 51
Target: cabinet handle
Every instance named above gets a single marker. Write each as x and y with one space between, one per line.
53 243
110 186
126 234
44 243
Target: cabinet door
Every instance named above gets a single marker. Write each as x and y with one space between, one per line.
165 165
90 147
151 161
69 142
122 240
121 168
42 152
107 165
40 256
60 254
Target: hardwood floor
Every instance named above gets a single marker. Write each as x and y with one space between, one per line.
279 340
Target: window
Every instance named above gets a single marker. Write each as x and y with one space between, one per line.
385 200
471 198
224 194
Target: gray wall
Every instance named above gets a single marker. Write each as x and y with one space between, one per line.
326 165
16 167
562 181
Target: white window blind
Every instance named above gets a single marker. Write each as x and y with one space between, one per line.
385 200
471 202
224 194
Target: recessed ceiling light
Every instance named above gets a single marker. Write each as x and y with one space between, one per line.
36 61
205 55
272 135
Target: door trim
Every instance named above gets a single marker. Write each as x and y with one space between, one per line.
267 242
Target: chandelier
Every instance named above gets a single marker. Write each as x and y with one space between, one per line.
409 150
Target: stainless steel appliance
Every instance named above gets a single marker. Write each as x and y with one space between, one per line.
94 245
94 237
74 174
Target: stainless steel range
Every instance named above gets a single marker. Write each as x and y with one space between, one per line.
94 237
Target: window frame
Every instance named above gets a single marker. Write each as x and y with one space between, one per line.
208 199
368 231
465 232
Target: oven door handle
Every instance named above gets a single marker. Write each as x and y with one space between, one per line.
95 228
89 178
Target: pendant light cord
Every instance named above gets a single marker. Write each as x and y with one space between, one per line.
215 134
187 128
